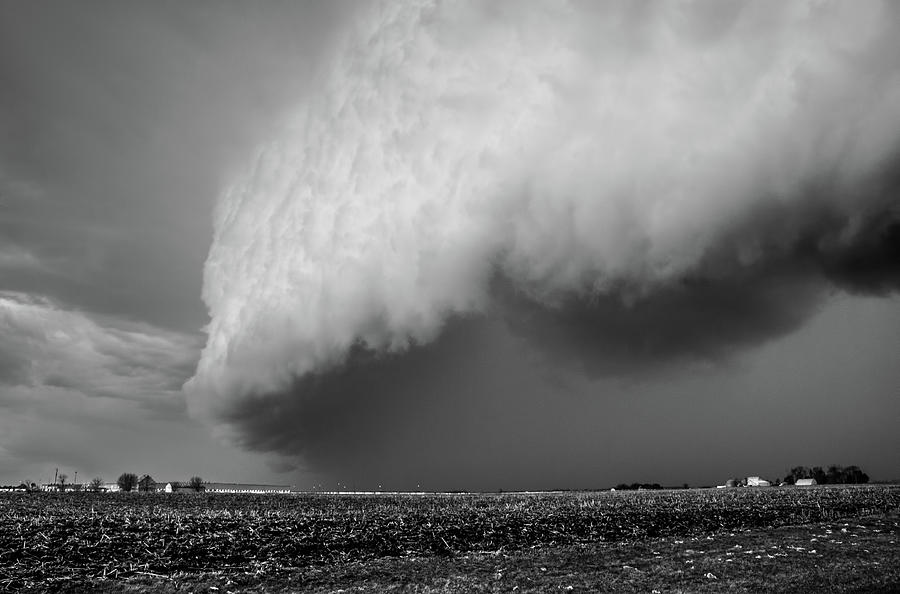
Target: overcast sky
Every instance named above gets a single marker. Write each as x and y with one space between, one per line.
471 245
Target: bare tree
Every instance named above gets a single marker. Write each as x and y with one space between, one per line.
196 483
61 481
127 481
95 484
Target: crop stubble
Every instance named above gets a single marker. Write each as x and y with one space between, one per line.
51 538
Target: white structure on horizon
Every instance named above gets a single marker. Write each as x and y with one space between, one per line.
177 487
243 488
755 481
808 482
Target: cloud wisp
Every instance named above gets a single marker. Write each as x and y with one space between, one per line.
46 346
609 184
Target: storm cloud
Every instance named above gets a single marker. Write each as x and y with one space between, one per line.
484 205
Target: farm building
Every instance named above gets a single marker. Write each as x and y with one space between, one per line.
755 481
11 488
242 488
146 484
807 482
173 487
61 487
176 487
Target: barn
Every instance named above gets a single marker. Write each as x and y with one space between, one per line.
806 482
146 484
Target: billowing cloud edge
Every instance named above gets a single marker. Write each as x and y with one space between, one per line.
619 185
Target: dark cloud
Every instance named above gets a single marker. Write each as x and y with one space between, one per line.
728 303
872 265
696 320
480 409
447 413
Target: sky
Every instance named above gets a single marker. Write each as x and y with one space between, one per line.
468 245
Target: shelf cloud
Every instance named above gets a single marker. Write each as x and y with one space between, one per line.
482 198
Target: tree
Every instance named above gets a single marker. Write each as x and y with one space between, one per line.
95 484
127 481
799 472
196 483
834 475
854 476
819 475
61 485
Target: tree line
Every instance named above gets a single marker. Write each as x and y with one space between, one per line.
834 475
127 482
637 486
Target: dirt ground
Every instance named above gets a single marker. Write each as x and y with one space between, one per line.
861 555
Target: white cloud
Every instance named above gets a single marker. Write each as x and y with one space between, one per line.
579 150
45 345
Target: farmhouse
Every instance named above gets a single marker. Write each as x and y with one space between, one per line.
805 482
173 487
176 487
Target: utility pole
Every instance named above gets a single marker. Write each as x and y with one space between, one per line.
55 476
75 480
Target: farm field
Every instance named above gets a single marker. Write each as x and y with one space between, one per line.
775 539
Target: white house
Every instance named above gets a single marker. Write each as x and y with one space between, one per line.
805 482
225 488
755 481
